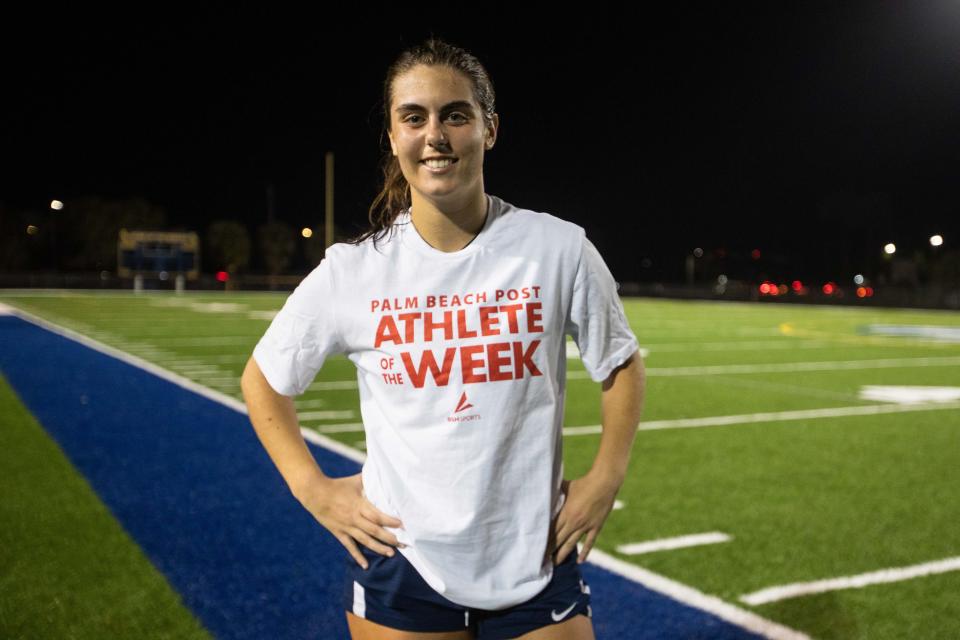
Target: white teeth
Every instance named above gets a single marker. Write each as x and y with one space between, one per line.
438 164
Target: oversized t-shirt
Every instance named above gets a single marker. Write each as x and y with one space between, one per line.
461 367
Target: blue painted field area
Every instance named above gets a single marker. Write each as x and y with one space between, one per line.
188 479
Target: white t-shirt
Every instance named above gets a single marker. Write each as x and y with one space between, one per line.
461 366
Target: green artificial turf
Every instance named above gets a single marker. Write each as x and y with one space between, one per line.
67 567
802 500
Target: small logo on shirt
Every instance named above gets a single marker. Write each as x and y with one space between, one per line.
463 405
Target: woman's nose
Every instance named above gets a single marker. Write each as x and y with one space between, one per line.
436 134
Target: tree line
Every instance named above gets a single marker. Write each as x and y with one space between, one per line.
83 237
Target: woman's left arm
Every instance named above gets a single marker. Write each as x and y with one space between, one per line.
590 498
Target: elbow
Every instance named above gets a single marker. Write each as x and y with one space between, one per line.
252 377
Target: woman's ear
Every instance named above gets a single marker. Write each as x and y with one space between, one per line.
492 131
393 145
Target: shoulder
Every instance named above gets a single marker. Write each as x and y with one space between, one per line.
533 221
347 254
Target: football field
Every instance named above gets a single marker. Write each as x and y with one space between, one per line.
799 463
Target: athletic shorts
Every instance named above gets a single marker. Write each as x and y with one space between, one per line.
392 593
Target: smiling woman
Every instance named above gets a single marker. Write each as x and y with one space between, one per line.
440 145
461 524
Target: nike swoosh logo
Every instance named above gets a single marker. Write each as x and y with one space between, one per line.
557 617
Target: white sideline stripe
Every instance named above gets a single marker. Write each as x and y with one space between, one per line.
694 598
224 399
677 591
772 416
678 542
772 594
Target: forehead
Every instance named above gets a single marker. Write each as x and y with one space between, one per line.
431 87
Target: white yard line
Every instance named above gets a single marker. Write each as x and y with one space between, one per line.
206 341
753 384
310 404
694 598
738 345
897 574
772 416
708 333
788 367
196 370
327 415
333 385
678 542
344 427
679 592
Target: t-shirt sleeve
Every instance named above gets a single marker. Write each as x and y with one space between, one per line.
596 320
302 335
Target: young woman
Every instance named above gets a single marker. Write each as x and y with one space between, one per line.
454 307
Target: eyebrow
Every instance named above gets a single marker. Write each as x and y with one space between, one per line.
457 104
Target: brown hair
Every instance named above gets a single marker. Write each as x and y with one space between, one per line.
394 196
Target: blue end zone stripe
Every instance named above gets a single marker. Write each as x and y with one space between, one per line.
188 479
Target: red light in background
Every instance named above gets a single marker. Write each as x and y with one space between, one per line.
222 276
755 254
765 288
869 291
861 292
797 285
829 288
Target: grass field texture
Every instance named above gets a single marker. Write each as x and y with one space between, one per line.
69 570
756 426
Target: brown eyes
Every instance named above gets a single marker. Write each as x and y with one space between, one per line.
456 117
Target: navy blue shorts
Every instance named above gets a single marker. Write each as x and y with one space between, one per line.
392 593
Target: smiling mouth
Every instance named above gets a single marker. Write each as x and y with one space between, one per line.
439 164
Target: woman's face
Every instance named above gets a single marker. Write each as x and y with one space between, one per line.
433 114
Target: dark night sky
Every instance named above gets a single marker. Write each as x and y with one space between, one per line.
816 131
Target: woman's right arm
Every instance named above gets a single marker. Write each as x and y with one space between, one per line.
337 503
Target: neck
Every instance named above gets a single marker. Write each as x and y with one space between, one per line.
449 226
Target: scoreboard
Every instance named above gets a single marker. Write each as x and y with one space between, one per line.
158 254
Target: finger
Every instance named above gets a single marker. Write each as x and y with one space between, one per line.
587 546
370 542
567 546
376 531
351 546
564 531
373 514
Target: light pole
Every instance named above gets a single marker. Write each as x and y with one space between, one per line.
55 205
